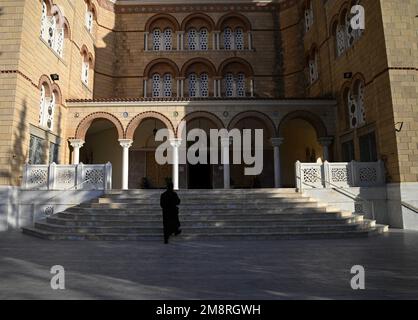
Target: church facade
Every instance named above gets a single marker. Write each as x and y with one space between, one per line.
91 81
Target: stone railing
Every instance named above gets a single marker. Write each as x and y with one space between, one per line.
339 174
67 177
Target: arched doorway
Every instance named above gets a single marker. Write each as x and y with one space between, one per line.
202 176
144 171
300 144
254 121
102 146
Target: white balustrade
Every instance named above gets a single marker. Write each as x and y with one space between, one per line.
67 177
339 174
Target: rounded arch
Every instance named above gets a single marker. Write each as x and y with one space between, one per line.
193 63
313 50
310 117
87 55
342 13
192 19
163 63
56 11
167 20
136 121
254 114
85 124
358 77
235 65
199 114
45 81
57 91
67 29
239 18
49 5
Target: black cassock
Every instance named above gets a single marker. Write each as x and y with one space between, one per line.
169 201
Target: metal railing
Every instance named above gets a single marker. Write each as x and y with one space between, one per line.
342 191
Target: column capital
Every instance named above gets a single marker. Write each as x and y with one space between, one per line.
125 143
277 142
180 32
216 31
175 142
76 143
325 141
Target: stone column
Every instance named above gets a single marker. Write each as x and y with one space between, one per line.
277 142
252 87
180 40
175 143
250 41
125 144
325 142
225 142
146 34
145 87
216 37
76 144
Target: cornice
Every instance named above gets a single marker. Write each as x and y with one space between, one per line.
135 7
253 102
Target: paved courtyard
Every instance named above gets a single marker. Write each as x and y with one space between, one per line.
311 269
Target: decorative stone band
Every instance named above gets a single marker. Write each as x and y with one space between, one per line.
67 177
339 174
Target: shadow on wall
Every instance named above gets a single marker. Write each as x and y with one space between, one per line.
17 150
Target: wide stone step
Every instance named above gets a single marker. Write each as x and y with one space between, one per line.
203 229
266 191
206 206
190 221
238 215
218 197
204 236
224 202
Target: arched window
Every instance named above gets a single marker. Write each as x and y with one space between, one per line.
355 105
193 85
156 39
228 41
198 40
156 85
168 80
193 39
49 119
340 40
42 103
204 85
89 19
241 85
360 103
44 21
203 39
229 85
168 35
309 16
52 29
350 34
239 39
313 67
46 109
85 68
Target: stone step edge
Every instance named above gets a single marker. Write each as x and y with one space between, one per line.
378 229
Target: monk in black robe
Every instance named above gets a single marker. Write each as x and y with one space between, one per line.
169 201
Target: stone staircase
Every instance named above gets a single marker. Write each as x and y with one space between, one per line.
205 214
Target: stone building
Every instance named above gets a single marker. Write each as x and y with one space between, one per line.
294 68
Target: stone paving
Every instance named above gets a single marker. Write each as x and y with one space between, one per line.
298 269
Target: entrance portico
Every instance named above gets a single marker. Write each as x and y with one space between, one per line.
132 153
